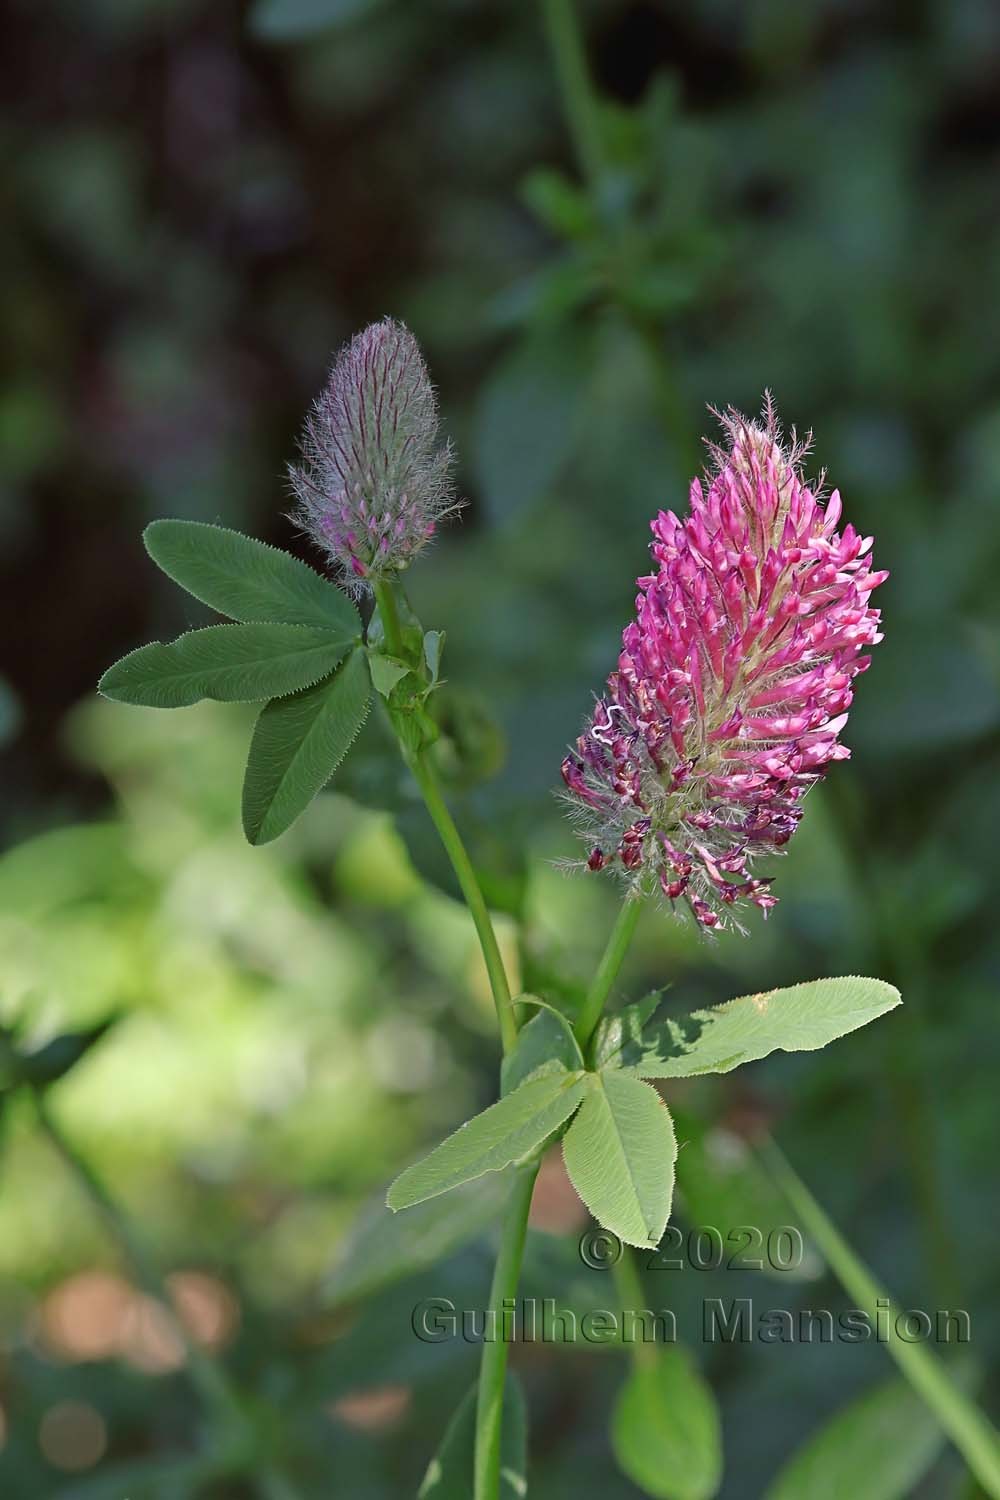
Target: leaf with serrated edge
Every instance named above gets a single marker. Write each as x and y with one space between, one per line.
228 663
546 1043
620 1152
505 1133
801 1018
297 745
665 1429
247 579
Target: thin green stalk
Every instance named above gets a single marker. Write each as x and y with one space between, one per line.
607 970
579 101
969 1429
427 780
206 1376
628 1285
493 1365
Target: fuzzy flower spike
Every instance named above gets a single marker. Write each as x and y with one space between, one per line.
374 480
733 682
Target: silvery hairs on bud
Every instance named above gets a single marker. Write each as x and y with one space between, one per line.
374 480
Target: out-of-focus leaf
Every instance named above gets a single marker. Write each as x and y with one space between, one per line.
450 1472
798 1019
561 206
620 1152
528 415
472 747
875 1448
155 1479
230 663
665 1429
722 1184
505 1133
64 866
298 744
247 579
384 1247
58 1056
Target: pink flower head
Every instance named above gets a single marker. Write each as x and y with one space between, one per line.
374 481
733 682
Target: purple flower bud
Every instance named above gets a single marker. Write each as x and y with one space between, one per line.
733 682
374 480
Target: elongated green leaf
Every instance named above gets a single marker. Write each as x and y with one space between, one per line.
876 1448
247 579
230 663
383 1247
545 1044
620 1153
799 1019
665 1429
298 744
450 1472
509 1130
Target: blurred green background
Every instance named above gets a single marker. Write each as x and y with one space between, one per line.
203 201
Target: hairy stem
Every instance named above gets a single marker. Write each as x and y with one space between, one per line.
206 1376
427 780
607 970
971 1432
493 1365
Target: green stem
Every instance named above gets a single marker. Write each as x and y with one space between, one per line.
388 613
493 1365
427 780
206 1376
607 970
579 101
628 1285
971 1432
